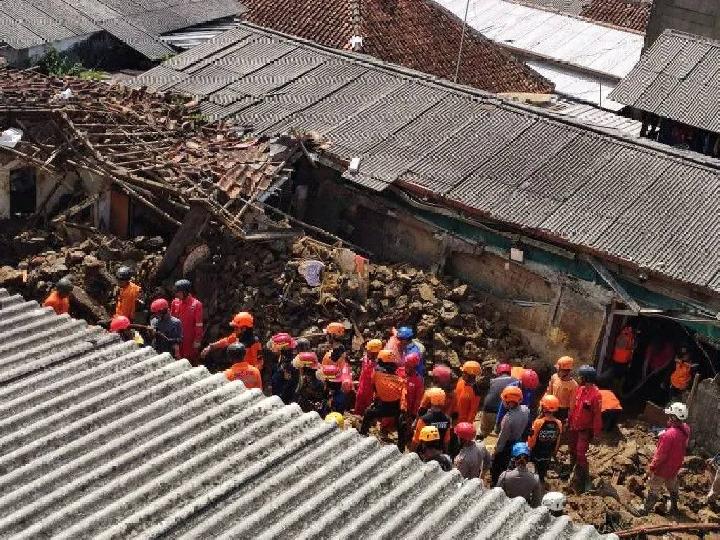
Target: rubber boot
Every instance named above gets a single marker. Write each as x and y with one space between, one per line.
582 478
672 507
649 505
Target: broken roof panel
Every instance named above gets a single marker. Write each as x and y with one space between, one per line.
677 67
102 438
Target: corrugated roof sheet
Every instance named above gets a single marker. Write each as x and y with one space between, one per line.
28 23
541 172
632 14
102 439
677 78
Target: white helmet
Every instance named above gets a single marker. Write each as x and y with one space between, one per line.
678 410
554 500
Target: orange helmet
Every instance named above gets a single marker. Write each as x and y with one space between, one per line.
242 320
512 394
119 323
436 396
374 345
335 329
471 367
550 403
565 362
386 355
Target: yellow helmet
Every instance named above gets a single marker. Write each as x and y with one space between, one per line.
429 433
336 418
374 345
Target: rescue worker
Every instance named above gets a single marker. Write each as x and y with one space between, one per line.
585 423
387 393
473 459
310 394
682 375
521 482
240 369
529 381
622 355
554 501
120 324
128 293
492 401
59 298
367 368
467 393
337 353
545 434
611 409
337 419
512 428
285 377
166 329
414 388
430 447
668 459
442 377
189 310
435 417
563 386
335 398
242 325
409 345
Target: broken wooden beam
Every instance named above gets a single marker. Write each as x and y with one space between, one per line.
191 227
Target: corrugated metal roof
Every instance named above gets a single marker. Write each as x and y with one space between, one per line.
539 171
103 439
677 78
28 23
595 116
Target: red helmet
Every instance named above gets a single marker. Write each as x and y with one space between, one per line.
412 360
159 305
465 431
503 368
530 379
308 359
119 323
330 373
442 374
282 341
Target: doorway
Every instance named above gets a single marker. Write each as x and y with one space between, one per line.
23 191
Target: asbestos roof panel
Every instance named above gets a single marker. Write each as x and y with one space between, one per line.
101 437
677 78
15 34
31 17
160 21
146 44
75 21
159 78
212 47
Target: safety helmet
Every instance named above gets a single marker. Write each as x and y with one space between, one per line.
119 323
465 431
282 341
159 305
183 285
511 394
550 403
242 320
330 373
387 355
64 285
405 332
429 434
503 368
441 374
554 501
412 359
235 352
336 418
678 410
308 359
520 449
335 329
436 396
124 273
565 362
347 385
530 379
374 345
587 373
471 367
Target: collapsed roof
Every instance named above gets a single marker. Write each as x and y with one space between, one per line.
551 177
137 23
418 34
103 439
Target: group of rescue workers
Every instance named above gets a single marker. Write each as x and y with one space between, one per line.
438 422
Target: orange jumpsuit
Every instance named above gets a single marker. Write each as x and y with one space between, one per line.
59 304
253 353
127 300
467 402
565 391
249 375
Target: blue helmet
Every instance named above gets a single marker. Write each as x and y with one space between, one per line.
405 332
520 449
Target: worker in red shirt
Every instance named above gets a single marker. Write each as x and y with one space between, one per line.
243 332
467 394
585 423
363 397
414 388
189 310
59 298
240 369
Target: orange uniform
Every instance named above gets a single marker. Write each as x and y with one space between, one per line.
467 402
328 361
249 375
564 390
253 352
388 387
127 300
624 346
682 375
59 304
609 401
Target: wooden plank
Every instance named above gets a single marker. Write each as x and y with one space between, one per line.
193 224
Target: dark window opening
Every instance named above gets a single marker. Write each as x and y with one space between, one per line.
23 191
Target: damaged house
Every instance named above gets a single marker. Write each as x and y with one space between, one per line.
572 231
